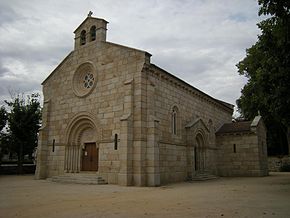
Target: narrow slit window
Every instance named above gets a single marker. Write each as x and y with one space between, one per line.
116 142
234 148
53 145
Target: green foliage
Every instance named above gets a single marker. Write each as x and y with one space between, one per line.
3 121
267 68
285 167
23 124
277 8
3 118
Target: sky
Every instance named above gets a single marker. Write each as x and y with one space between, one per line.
199 41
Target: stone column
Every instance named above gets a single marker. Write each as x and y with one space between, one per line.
125 176
79 151
66 159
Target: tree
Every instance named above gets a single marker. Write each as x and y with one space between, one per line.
267 68
3 118
3 121
23 124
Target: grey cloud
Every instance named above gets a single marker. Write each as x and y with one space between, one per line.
3 70
8 15
198 41
19 84
26 53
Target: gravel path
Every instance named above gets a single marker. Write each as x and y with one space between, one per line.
22 196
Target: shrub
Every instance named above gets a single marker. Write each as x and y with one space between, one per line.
285 167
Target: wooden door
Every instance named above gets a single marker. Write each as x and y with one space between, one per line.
90 157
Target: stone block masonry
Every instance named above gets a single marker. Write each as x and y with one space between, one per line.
110 111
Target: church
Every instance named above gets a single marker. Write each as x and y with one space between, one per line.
109 111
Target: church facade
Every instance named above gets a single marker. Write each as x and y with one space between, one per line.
108 110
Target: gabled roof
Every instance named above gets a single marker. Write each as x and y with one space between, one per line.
127 47
94 18
109 43
195 122
238 127
241 127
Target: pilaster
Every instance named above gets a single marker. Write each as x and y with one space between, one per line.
42 148
152 149
125 176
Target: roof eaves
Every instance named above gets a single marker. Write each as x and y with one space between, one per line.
135 49
229 106
58 66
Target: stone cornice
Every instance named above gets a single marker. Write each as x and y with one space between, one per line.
235 133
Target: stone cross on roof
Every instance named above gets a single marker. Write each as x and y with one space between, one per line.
90 13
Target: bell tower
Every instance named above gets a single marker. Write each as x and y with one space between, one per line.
91 30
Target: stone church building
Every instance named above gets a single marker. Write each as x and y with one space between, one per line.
109 111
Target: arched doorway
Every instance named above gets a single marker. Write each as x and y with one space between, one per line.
82 151
199 154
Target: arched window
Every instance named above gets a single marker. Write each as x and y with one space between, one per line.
93 33
174 120
83 37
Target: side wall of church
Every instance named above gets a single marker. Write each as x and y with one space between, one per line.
106 104
175 151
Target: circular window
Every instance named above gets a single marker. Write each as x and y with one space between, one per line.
84 79
89 80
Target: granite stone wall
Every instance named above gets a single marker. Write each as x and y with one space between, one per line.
243 153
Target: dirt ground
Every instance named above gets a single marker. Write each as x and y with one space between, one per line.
22 196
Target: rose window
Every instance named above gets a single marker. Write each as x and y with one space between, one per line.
84 79
89 80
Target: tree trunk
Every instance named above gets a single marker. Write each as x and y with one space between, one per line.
20 160
288 139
